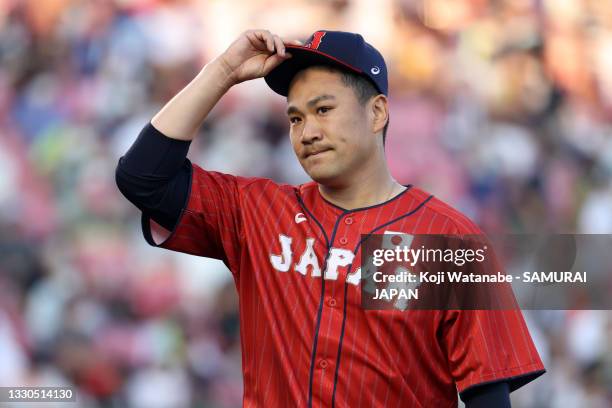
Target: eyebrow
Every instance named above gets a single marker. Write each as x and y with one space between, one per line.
310 103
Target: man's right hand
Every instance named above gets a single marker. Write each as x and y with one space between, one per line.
254 54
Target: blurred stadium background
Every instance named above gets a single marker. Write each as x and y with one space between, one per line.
501 107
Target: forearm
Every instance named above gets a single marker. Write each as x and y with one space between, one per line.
183 115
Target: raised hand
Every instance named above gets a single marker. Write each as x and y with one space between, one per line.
254 54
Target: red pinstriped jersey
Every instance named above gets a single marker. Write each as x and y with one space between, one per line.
306 341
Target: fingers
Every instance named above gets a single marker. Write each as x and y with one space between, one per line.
282 42
292 42
271 42
280 47
272 62
261 39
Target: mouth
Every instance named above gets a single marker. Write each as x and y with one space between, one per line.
316 153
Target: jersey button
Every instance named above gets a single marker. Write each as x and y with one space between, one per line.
396 240
343 240
323 364
348 221
331 302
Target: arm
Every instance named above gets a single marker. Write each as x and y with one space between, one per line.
155 174
253 55
183 115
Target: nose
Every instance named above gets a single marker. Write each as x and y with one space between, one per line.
311 132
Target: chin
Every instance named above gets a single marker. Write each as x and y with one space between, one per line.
326 170
325 177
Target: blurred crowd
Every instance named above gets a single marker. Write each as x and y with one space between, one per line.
503 108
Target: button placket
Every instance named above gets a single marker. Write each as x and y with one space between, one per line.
332 310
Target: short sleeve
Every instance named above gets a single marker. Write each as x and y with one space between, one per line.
485 346
210 225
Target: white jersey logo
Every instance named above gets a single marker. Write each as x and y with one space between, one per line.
299 217
338 258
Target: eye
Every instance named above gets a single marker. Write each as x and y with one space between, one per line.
323 109
293 120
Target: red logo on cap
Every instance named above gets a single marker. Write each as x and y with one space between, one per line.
316 40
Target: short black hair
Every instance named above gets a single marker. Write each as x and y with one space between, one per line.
364 88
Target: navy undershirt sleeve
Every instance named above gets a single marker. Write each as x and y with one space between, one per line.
155 174
485 396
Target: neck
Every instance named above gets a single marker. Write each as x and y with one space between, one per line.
364 190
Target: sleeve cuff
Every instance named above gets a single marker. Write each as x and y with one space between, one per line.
514 381
151 228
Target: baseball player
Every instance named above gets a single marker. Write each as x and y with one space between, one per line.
294 251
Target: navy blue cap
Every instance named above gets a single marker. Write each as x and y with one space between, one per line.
339 49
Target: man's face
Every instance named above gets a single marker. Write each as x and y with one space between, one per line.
329 128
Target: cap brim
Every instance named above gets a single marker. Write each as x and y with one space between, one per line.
280 77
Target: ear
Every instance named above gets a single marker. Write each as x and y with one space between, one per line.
379 108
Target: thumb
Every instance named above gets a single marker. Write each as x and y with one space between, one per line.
274 61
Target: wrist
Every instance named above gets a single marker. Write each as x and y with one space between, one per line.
227 76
